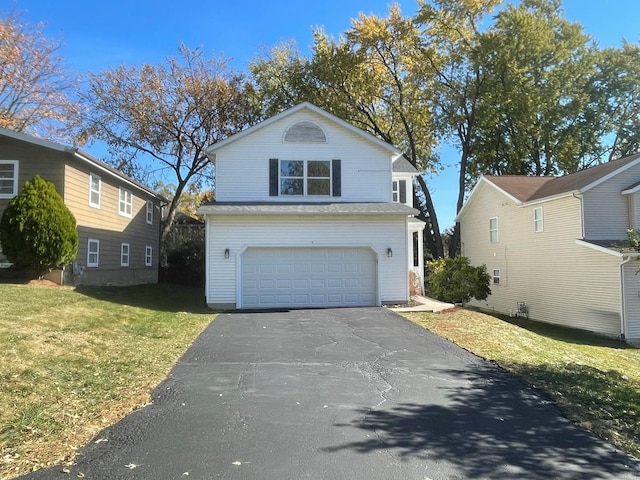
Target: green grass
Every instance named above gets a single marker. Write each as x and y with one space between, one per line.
596 381
75 361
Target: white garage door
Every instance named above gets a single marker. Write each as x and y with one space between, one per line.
307 277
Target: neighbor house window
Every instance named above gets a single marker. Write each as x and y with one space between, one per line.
124 255
305 177
125 203
496 276
148 256
93 252
95 188
493 229
149 212
8 178
538 223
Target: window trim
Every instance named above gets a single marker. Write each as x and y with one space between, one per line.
148 256
16 164
538 222
91 241
127 202
149 212
496 279
92 191
125 262
492 230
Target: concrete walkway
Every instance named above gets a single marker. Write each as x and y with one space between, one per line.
426 305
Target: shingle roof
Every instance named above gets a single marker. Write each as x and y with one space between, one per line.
526 189
339 208
403 165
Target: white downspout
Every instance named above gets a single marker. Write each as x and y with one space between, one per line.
623 312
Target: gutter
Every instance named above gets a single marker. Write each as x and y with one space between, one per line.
623 313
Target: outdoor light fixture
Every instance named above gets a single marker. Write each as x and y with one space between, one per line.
226 253
389 253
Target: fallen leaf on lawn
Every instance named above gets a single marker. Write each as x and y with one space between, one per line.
80 475
185 474
66 470
100 440
131 466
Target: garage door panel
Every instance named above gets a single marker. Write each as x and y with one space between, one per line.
308 277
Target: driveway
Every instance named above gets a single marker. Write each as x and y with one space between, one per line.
341 394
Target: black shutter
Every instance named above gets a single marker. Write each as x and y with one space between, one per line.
336 178
273 177
402 186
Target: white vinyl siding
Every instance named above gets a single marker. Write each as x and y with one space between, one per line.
632 299
125 202
95 190
377 233
124 255
8 178
365 166
148 256
493 230
538 220
93 253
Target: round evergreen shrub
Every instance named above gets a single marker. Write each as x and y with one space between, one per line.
37 230
455 280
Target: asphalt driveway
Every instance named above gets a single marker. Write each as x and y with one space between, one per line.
341 394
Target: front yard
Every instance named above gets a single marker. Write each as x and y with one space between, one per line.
74 361
594 380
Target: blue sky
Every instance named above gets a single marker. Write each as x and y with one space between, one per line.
98 35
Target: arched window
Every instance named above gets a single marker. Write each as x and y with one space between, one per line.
305 132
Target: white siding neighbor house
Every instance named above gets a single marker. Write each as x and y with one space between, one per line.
309 212
555 246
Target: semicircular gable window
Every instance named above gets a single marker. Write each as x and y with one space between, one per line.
305 132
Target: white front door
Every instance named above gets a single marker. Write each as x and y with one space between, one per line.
283 277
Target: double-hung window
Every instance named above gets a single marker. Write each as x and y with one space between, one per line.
319 178
125 202
149 212
148 256
538 221
93 252
95 189
496 276
493 230
124 255
8 178
300 177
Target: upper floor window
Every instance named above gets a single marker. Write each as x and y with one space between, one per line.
124 255
538 222
149 212
493 229
95 189
126 202
304 177
399 191
8 178
93 252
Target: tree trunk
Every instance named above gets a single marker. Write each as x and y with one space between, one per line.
454 241
432 236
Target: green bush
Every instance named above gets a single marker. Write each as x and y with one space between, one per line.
455 280
37 230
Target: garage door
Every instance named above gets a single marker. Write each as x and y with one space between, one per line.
307 277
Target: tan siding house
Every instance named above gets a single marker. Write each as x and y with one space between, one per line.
118 218
556 245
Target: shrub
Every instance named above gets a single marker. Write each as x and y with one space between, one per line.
37 230
455 280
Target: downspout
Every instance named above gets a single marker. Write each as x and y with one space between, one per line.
623 315
580 198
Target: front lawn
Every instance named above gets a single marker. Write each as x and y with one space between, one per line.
594 380
75 361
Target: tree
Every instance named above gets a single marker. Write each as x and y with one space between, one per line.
365 78
35 89
37 230
455 280
158 119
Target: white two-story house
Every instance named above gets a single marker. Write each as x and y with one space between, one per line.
556 246
310 211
